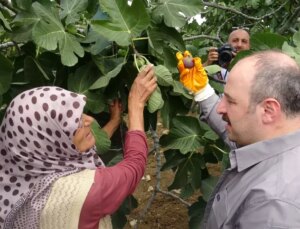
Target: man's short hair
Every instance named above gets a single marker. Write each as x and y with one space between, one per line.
276 76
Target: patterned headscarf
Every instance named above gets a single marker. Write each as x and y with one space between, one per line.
36 149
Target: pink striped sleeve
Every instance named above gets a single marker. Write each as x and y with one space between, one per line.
113 184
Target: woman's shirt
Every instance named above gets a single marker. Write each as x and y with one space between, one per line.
113 184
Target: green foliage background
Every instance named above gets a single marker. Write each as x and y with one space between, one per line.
88 46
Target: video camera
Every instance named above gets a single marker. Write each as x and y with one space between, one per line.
225 54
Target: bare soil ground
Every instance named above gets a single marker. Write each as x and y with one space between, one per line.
165 211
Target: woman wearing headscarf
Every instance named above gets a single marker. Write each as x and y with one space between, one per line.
50 173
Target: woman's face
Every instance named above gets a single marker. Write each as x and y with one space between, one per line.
84 138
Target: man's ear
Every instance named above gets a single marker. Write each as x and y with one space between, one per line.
271 110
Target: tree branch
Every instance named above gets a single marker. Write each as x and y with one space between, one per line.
8 5
221 27
216 38
215 5
175 196
202 36
287 24
158 176
11 44
7 45
157 188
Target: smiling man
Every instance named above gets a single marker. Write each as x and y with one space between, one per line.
239 40
259 118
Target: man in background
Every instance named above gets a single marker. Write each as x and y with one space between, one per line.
239 39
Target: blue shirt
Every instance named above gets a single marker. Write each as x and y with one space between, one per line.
222 75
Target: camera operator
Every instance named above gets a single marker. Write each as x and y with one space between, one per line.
238 40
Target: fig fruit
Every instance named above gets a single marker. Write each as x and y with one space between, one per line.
140 62
188 62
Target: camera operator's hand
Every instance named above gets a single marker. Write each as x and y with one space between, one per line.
212 56
193 76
